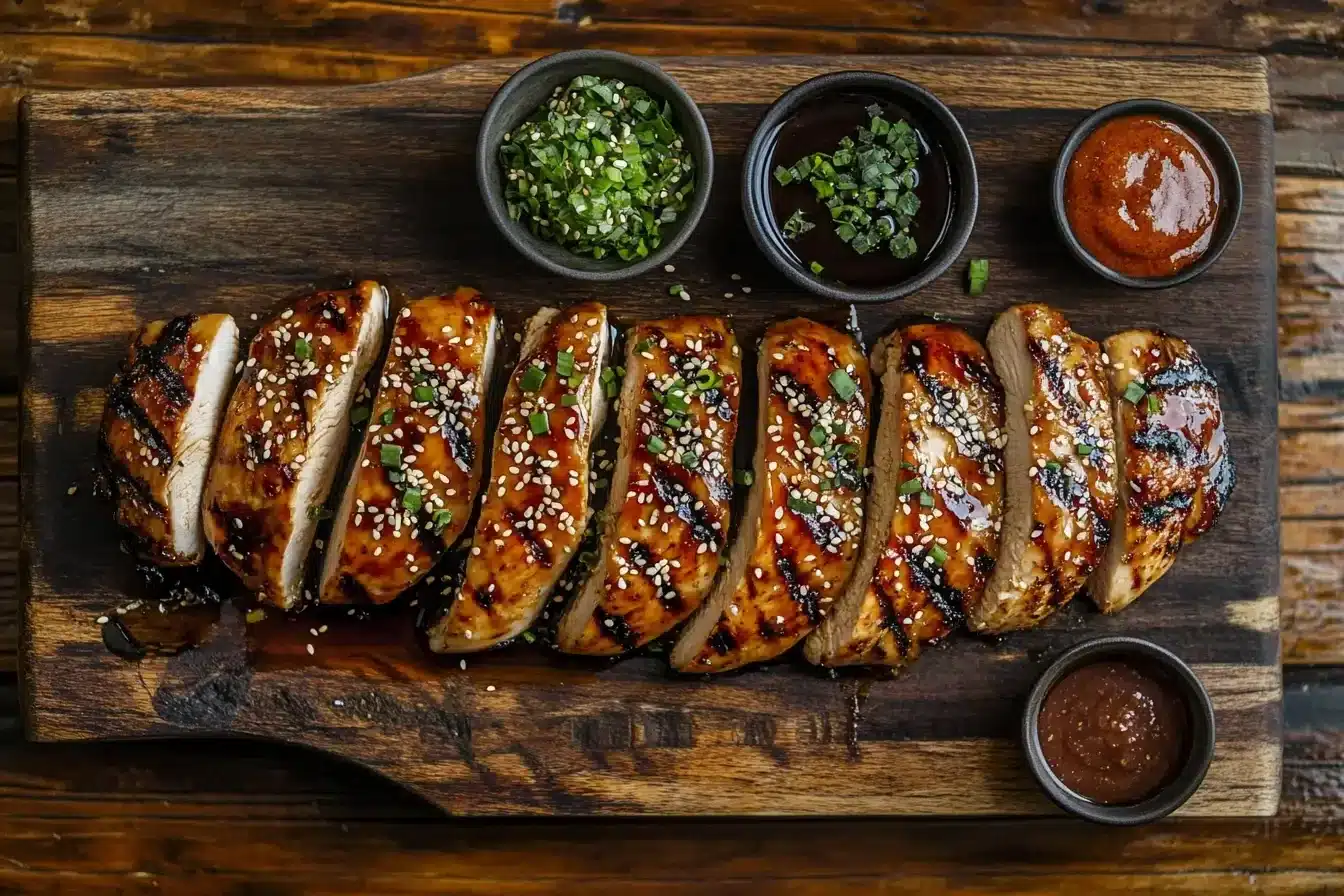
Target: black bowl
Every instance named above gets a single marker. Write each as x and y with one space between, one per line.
531 86
1214 146
1201 734
933 117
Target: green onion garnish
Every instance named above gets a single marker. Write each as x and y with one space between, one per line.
802 505
533 378
442 518
643 346
676 402
978 275
676 289
926 499
386 418
656 445
1053 466
707 379
910 486
569 400
937 554
815 267
1085 449
843 385
358 414
797 225
818 435
1154 403
564 362
539 422
422 393
743 477
390 455
302 350
689 460
1133 392
412 500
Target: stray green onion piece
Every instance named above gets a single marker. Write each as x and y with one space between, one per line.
303 350
818 435
978 275
910 486
1154 403
539 422
797 225
442 519
422 394
1133 392
412 500
390 455
802 505
569 400
843 384
656 445
533 378
318 512
689 460
937 554
564 362
925 499
529 637
744 477
815 267
1085 449
386 417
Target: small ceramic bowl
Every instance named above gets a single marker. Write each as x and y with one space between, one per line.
531 86
1214 146
1199 741
934 118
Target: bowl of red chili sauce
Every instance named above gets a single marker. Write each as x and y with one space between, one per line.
1119 731
1146 193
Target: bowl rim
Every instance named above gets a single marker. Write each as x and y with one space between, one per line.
694 130
960 157
1210 139
1202 734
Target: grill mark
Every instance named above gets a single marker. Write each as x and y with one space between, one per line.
806 599
722 641
672 492
459 439
332 311
1182 374
619 630
948 601
249 539
1160 440
119 480
945 404
1075 414
484 597
1154 513
642 558
150 364
527 537
891 620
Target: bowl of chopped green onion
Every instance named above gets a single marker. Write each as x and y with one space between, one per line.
595 165
860 186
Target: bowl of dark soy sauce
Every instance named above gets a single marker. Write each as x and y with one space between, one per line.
860 186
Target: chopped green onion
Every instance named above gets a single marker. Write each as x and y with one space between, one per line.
818 435
1133 392
743 477
303 350
1085 449
569 400
422 394
318 512
1053 466
643 346
937 554
611 388
707 379
843 384
676 289
533 378
412 500
395 477
529 637
815 267
802 505
676 402
926 499
1154 403
906 465
358 414
910 486
689 460
386 418
540 423
978 275
564 362
797 225
675 421
390 455
442 519
656 445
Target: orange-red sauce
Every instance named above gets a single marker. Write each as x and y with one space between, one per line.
1113 733
1142 196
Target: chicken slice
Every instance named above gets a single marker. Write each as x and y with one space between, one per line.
1060 488
804 516
419 468
1174 472
286 428
159 426
660 545
935 509
535 506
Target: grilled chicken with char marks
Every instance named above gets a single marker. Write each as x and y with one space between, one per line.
804 516
1174 472
935 507
419 467
535 506
284 433
660 546
159 426
1060 488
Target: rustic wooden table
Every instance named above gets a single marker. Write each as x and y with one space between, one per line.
242 817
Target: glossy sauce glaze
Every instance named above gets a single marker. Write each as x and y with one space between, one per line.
1113 732
1142 196
819 127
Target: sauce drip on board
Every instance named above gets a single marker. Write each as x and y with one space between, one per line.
1142 196
818 127
1114 733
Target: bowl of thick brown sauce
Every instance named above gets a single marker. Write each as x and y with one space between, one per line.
1146 193
1119 730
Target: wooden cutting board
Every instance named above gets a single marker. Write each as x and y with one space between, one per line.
147 204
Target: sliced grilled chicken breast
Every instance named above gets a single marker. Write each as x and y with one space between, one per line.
804 516
159 426
935 508
286 428
660 545
535 506
419 468
1060 488
1174 472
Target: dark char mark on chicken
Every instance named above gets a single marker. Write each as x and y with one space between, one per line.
949 601
675 495
615 627
805 598
642 558
150 364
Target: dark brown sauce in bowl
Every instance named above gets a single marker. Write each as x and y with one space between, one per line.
1114 731
818 127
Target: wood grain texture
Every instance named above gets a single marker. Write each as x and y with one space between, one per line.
376 180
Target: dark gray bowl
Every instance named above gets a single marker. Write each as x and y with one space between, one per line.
520 96
933 116
1219 153
1191 775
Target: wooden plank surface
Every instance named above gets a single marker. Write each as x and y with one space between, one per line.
320 813
234 198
